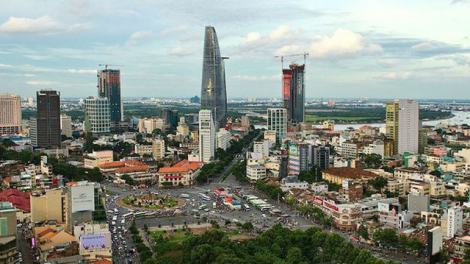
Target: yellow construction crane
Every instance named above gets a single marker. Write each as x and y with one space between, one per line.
106 65
305 54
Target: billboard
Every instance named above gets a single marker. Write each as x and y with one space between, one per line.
82 198
95 241
293 149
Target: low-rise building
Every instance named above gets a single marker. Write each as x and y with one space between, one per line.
96 158
183 173
255 172
338 175
142 149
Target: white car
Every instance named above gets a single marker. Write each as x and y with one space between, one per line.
264 215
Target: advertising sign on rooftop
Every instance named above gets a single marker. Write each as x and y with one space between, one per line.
83 198
293 149
95 241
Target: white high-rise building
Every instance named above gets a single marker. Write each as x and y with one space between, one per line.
66 125
206 135
10 114
158 149
223 139
454 220
261 147
277 121
408 126
97 115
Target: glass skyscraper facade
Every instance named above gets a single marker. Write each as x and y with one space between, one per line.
293 92
109 86
213 89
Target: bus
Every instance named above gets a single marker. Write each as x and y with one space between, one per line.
202 207
214 205
185 195
204 197
139 214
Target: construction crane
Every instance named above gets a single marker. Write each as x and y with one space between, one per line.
106 65
305 54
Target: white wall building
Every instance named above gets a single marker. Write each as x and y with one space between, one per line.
454 220
377 147
143 149
255 172
206 135
97 115
277 120
223 139
66 125
408 126
261 147
158 149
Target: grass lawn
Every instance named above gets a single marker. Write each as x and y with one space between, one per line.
157 233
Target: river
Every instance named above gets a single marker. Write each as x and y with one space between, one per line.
460 117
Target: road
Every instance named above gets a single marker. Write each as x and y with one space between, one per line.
221 214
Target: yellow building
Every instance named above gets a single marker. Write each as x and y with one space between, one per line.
391 123
337 175
51 206
97 158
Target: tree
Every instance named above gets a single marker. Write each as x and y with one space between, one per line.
362 231
248 226
294 255
378 183
415 221
387 237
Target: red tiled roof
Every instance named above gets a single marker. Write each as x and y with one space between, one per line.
18 198
133 169
347 172
45 232
182 166
117 164
101 261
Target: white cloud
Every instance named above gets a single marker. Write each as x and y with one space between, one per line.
252 37
180 52
134 38
172 31
40 83
281 32
342 43
421 46
257 78
41 25
396 76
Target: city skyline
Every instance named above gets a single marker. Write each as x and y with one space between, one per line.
374 49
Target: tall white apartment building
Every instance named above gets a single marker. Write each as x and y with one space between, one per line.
206 135
10 114
408 126
277 120
66 125
97 115
454 220
158 149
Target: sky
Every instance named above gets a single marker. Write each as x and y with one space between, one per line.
416 49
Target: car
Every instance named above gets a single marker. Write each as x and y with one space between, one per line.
124 190
19 225
264 215
206 210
